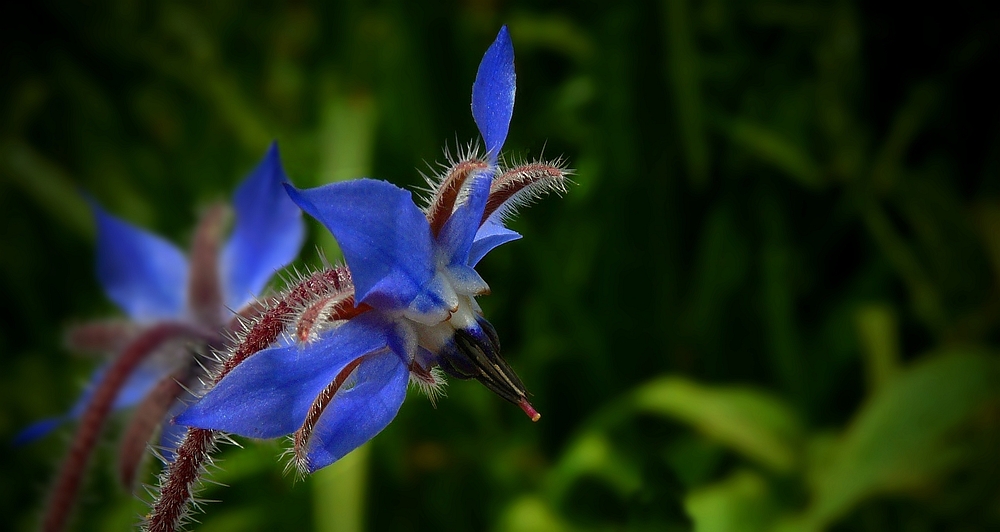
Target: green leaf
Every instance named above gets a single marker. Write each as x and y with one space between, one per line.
530 514
592 455
741 503
749 421
902 439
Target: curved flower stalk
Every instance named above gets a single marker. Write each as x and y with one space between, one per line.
329 362
177 306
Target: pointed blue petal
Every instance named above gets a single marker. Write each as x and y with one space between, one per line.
171 434
490 235
493 93
384 237
357 414
269 394
142 273
457 235
267 235
37 430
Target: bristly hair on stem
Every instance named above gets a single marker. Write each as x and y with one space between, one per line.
417 288
524 183
325 295
325 299
71 473
447 187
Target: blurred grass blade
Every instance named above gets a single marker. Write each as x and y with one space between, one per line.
339 493
682 68
905 126
988 216
778 272
876 326
558 33
722 266
48 185
923 293
740 503
198 63
749 421
900 440
346 132
346 144
774 149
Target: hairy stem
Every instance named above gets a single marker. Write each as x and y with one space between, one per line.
147 417
523 183
71 473
100 337
444 200
175 488
305 432
204 287
177 482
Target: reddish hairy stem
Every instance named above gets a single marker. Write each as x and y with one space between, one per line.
146 417
272 322
253 310
175 490
508 184
100 337
315 312
204 285
444 201
176 484
319 405
71 473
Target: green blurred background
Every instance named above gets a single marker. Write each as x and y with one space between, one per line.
770 302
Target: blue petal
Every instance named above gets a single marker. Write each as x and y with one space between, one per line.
493 93
141 272
459 231
171 434
268 232
490 235
269 394
384 237
37 430
357 414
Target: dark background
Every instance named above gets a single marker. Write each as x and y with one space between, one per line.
769 302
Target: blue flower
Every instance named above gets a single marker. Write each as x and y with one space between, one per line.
154 283
414 285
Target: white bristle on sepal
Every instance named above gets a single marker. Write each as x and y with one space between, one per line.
434 388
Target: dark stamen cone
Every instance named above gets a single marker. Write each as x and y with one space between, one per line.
475 354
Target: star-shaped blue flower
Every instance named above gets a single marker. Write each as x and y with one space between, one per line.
153 282
414 278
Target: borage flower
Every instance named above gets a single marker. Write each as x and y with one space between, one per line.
411 313
177 306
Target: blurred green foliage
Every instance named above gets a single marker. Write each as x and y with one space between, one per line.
771 301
